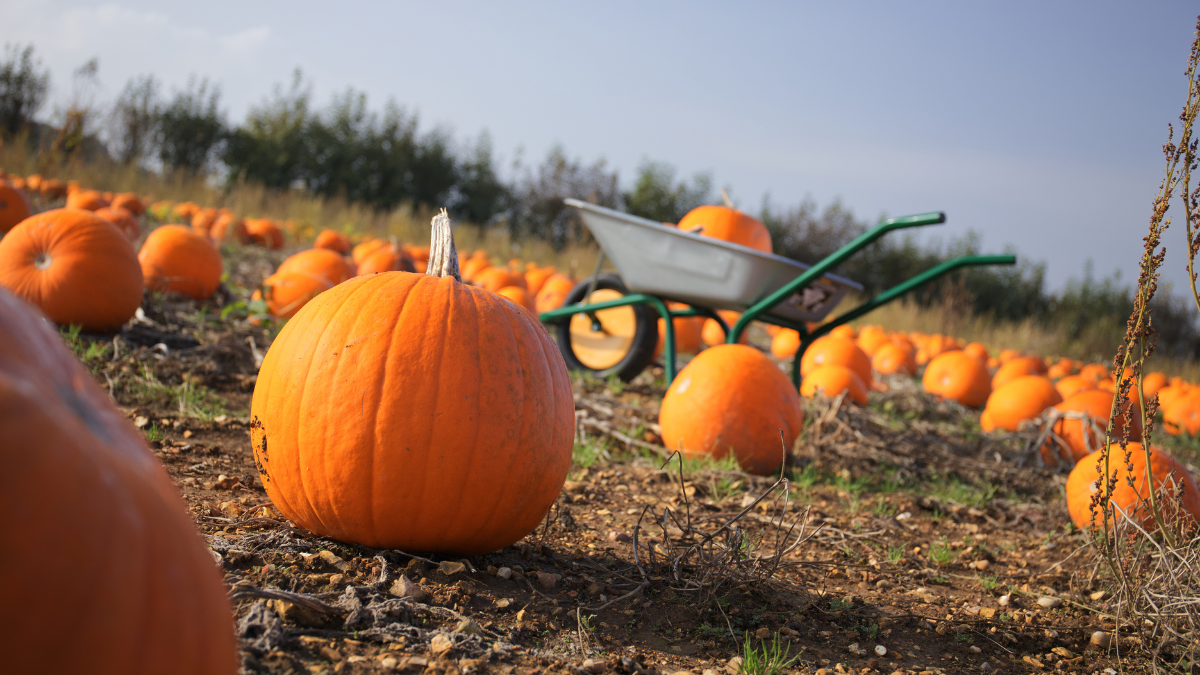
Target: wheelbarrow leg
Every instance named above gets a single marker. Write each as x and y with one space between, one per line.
668 336
805 342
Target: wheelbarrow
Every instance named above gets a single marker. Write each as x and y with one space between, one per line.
608 324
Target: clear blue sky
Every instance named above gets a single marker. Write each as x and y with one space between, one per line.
1035 124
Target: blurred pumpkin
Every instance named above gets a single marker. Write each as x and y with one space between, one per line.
958 376
177 259
1073 384
264 232
554 292
977 351
13 206
360 252
892 359
831 380
130 202
712 334
844 331
520 297
228 227
386 259
840 351
1152 383
1130 497
334 241
495 278
123 219
687 333
1017 401
1079 439
474 266
88 200
322 262
534 278
1018 367
1094 372
871 338
721 222
1183 414
785 344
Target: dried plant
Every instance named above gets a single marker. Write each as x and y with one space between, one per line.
1154 569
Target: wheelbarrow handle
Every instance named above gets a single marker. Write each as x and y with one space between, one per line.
831 261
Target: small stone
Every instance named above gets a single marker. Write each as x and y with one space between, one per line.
440 644
620 537
546 580
1101 639
762 633
141 421
1063 652
880 650
974 650
985 667
504 573
1051 633
521 616
226 482
788 632
856 650
710 671
407 588
1006 600
982 565
594 589
734 665
449 567
1098 596
1049 603
418 661
505 603
492 569
593 665
337 579
468 627
333 560
388 663
883 584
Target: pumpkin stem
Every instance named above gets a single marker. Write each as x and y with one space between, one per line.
443 257
725 198
42 261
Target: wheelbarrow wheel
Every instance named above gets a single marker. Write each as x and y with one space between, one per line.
626 337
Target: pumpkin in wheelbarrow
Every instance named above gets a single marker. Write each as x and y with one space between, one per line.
732 399
727 224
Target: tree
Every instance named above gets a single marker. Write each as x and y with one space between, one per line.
133 123
656 196
191 128
77 120
480 195
23 88
539 211
272 147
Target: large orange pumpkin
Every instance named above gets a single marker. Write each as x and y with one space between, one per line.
892 359
123 218
1017 401
722 222
286 293
1175 486
536 277
321 262
1172 393
1182 416
844 331
958 376
1078 439
177 259
13 207
86 504
334 241
732 399
832 380
1152 383
842 351
75 266
415 412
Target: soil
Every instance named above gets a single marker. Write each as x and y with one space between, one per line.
903 540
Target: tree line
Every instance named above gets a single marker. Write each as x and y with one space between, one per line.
383 158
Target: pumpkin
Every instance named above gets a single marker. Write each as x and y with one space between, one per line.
320 262
366 248
722 222
536 277
334 241
977 350
1183 414
474 266
1078 439
1152 383
130 202
177 259
264 232
88 200
844 331
86 504
416 412
123 219
785 344
1094 372
1172 393
495 278
554 292
958 376
203 220
1073 384
386 259
687 333
1175 487
871 338
1007 355
892 359
1061 369
287 292
420 258
842 351
34 181
1017 401
228 227
732 399
1018 367
519 296
14 207
711 333
53 189
832 380
75 266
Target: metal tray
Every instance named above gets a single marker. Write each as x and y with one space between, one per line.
670 263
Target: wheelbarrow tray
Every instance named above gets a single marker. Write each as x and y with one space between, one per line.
668 262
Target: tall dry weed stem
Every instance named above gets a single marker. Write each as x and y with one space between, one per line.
1155 570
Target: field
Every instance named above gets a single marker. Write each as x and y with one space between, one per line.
903 539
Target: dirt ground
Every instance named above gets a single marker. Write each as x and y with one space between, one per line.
902 540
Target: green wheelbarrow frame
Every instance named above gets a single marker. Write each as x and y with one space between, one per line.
758 311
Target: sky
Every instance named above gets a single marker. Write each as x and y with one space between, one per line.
1037 125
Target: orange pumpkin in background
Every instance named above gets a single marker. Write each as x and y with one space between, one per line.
841 351
386 259
495 278
363 250
977 350
75 266
1178 490
177 259
536 277
1183 415
721 222
130 202
844 331
554 292
1018 367
687 333
202 220
871 338
441 457
288 292
520 298
892 359
473 267
1078 439
832 380
1152 383
88 200
785 344
14 207
1017 401
1061 369
1007 355
264 232
228 227
334 241
86 502
1094 372
321 262
712 334
1172 393
420 258
1073 384
123 219
732 399
958 376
